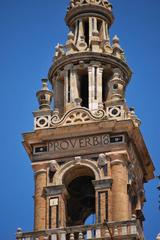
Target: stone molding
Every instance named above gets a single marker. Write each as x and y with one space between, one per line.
40 171
117 162
72 165
54 190
78 115
90 56
102 184
89 10
119 157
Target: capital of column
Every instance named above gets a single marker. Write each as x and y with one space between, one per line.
69 67
117 162
55 190
102 184
100 69
90 68
40 171
117 158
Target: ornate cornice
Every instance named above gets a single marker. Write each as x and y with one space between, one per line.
78 3
89 10
89 56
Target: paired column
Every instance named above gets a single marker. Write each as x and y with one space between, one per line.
72 87
95 87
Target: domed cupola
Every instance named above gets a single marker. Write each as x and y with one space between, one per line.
84 67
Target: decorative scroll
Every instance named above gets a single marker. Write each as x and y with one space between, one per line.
78 116
75 116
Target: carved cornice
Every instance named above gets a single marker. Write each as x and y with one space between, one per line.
89 56
78 3
89 10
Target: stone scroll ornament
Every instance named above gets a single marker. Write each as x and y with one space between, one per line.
102 163
77 115
76 3
52 170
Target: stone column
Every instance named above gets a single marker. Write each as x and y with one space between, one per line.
75 88
76 32
66 85
95 87
91 87
107 31
59 91
120 198
81 44
104 31
91 29
81 30
68 99
40 200
99 85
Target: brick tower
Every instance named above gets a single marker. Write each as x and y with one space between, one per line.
88 154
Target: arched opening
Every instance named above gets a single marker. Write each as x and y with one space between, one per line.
80 203
86 30
100 29
59 91
106 77
84 91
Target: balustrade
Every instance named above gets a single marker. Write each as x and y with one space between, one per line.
105 231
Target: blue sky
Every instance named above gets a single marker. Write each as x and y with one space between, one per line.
29 31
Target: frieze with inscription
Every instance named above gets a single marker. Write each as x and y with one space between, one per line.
81 143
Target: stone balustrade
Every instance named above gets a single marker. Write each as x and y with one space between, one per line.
112 230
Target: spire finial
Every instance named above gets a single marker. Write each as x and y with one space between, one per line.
116 39
44 84
44 96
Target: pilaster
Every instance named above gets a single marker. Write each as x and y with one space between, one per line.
40 200
56 202
103 200
120 198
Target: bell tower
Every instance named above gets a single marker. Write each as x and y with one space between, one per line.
87 153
